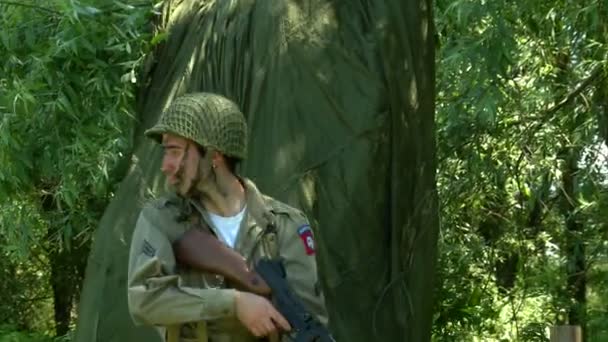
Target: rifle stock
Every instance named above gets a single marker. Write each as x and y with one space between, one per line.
202 251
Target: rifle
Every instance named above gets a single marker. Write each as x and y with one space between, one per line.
202 251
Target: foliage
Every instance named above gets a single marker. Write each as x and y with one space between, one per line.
8 334
11 334
25 286
66 98
68 77
515 83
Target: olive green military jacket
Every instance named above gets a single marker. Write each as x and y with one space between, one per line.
163 294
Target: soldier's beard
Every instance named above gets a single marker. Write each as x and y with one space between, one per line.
175 187
182 186
195 186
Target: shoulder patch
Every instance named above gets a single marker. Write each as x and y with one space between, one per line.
305 233
148 250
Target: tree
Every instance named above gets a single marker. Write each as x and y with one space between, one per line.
519 178
66 91
341 115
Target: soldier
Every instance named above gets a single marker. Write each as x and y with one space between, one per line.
204 137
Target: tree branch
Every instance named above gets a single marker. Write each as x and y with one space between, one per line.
597 71
582 86
39 8
548 114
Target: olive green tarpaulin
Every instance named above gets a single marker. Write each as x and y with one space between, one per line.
339 96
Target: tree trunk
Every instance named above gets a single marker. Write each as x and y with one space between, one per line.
566 333
67 274
575 248
63 290
67 265
60 264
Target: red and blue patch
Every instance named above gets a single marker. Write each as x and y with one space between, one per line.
305 233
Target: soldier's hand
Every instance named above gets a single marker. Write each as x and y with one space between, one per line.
259 315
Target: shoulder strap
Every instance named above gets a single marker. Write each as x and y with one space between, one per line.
270 241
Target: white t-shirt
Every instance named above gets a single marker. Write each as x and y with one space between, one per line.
227 227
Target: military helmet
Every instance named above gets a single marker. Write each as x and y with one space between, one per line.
208 119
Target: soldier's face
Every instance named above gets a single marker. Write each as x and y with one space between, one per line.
180 162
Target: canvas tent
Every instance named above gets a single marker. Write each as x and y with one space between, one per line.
339 97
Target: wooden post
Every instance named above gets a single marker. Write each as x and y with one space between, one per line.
566 333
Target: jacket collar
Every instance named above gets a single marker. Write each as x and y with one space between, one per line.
257 207
258 217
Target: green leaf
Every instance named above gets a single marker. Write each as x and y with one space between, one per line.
66 105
